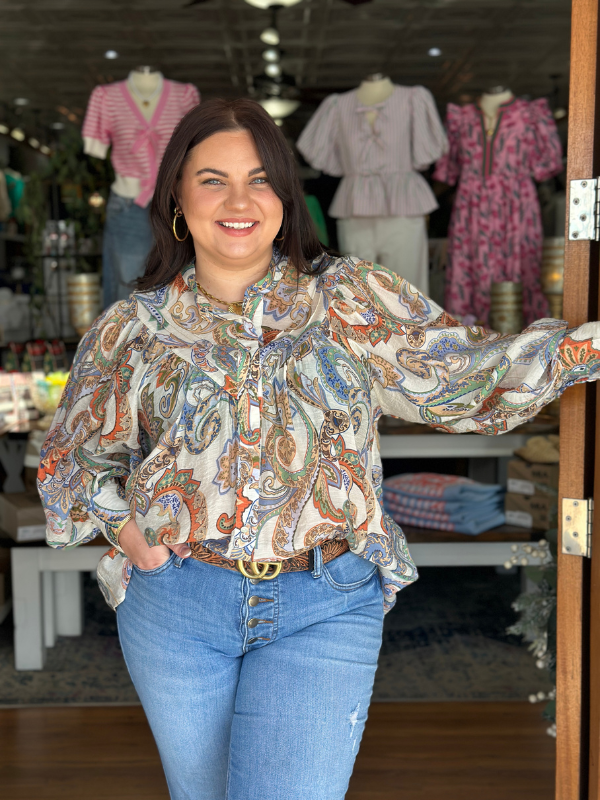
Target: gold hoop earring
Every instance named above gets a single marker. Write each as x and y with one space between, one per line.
179 213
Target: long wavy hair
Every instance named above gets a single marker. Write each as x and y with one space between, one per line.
300 242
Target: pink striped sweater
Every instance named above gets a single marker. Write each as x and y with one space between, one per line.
138 145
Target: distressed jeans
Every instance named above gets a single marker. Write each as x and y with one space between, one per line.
127 241
254 691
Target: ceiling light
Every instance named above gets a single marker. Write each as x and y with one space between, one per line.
434 51
278 107
57 126
272 54
270 36
4 128
45 150
34 142
269 3
18 134
21 101
273 70
111 54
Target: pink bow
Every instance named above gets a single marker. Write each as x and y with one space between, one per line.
147 138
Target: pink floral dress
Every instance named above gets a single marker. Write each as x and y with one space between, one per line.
495 231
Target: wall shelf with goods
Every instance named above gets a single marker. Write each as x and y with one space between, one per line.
410 448
55 235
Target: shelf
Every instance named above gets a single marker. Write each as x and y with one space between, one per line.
504 533
450 445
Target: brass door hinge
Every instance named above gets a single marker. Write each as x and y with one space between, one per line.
577 521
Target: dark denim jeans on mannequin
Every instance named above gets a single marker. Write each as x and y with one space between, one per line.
254 691
126 243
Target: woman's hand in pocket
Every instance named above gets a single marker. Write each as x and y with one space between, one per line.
133 543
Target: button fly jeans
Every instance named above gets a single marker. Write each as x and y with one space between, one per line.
254 691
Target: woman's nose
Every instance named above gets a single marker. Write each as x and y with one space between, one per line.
238 197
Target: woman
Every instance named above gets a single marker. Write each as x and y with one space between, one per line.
219 428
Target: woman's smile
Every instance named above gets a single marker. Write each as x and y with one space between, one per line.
235 226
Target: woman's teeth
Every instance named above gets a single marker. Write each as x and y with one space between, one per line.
237 224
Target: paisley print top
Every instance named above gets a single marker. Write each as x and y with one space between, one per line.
186 417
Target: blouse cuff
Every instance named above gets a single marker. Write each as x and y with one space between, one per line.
580 354
113 529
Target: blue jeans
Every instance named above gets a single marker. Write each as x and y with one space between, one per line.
126 243
254 691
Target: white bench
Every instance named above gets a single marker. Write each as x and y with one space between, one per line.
48 601
47 598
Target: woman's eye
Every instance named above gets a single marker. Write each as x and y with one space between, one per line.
212 181
260 180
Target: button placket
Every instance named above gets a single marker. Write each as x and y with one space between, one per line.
259 614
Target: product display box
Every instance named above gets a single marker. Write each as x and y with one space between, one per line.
531 511
532 479
22 516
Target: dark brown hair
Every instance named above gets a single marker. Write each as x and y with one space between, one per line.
168 256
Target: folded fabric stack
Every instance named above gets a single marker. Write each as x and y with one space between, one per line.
443 502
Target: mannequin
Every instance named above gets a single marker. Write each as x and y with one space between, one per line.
490 103
136 117
373 90
145 86
498 147
377 137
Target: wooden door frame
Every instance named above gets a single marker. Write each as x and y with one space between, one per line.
574 781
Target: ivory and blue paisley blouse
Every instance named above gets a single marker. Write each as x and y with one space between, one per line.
205 429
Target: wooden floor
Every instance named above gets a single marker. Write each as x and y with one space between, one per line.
429 751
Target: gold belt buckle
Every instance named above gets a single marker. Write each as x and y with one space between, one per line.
261 574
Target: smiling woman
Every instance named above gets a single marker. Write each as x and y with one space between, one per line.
220 429
228 165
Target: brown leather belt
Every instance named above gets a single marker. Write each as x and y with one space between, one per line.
329 550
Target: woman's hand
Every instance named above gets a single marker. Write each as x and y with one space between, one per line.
133 543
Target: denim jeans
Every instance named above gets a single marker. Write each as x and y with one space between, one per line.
254 691
126 243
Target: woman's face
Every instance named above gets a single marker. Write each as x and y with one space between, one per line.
228 203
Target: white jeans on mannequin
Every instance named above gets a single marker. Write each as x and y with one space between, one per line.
399 243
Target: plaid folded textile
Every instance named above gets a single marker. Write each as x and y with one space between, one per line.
441 487
445 502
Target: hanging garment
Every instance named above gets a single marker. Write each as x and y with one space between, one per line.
138 144
5 204
495 231
15 186
398 242
378 162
